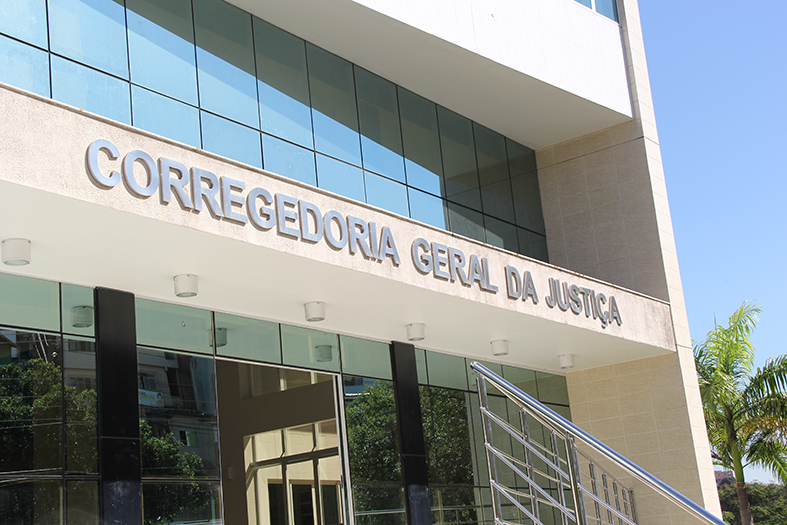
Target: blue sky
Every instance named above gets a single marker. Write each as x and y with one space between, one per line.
718 71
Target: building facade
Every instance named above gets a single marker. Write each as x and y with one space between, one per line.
251 249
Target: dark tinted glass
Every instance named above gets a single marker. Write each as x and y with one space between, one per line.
524 183
81 403
28 501
381 136
501 234
447 436
459 160
533 245
181 502
493 172
421 142
467 222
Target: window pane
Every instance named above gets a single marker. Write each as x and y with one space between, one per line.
493 172
421 142
173 326
334 110
521 378
524 184
82 502
340 178
231 140
32 501
387 194
501 234
365 358
28 302
459 162
447 436
381 136
79 369
533 245
24 66
25 20
446 370
607 8
161 47
165 116
90 31
181 502
283 84
247 338
288 160
31 418
420 364
225 58
467 222
310 348
472 376
428 208
177 415
552 388
77 309
88 89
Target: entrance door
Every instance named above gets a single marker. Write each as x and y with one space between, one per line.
279 446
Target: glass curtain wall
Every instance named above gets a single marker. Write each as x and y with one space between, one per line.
205 73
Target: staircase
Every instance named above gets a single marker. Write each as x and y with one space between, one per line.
538 474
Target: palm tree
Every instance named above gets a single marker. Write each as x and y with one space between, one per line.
745 410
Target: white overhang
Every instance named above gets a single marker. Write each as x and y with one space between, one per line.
93 236
538 71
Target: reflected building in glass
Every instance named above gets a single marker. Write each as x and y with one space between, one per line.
483 171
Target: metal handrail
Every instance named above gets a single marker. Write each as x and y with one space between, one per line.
555 421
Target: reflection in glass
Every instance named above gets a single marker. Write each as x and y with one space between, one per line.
447 436
82 502
165 116
283 84
340 178
77 309
25 301
90 90
533 245
177 408
230 139
386 194
225 60
289 160
365 358
310 348
195 502
493 173
247 338
161 48
421 142
459 158
607 8
428 208
31 416
552 388
81 402
467 222
25 20
92 32
501 234
173 326
334 111
24 66
524 184
446 370
31 501
381 136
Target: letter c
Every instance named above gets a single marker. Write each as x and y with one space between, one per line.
92 163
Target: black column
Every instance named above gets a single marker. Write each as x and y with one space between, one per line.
411 434
118 408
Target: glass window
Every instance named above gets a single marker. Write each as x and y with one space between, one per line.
446 370
90 31
524 184
467 222
310 348
288 160
459 160
421 142
428 208
165 116
90 90
25 20
607 8
283 84
24 66
501 234
82 502
521 378
420 363
173 326
195 502
386 194
472 376
247 338
447 436
231 140
29 302
161 47
365 358
552 388
32 501
177 415
340 178
77 309
493 172
381 136
31 423
225 60
79 371
334 111
533 245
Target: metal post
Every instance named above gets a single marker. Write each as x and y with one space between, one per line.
490 458
576 480
531 471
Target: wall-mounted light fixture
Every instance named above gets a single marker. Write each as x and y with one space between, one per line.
82 316
186 285
16 252
566 361
416 332
499 347
221 337
314 311
323 353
